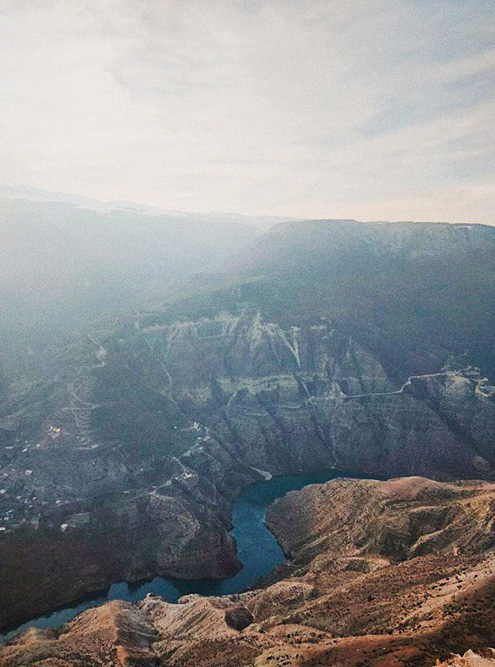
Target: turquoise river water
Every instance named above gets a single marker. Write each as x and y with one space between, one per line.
258 551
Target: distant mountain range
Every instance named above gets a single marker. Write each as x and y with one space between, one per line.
26 193
66 260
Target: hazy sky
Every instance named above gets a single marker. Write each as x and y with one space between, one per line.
371 109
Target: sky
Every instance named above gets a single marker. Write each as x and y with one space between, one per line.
366 109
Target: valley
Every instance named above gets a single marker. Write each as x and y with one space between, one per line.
123 461
247 333
382 573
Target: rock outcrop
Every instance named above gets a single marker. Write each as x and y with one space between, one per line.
211 404
324 345
383 573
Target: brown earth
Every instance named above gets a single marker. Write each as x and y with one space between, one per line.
383 573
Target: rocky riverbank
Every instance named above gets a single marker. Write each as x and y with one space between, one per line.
383 573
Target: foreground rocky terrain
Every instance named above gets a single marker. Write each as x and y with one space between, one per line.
317 348
400 572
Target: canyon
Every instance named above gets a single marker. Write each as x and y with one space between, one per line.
382 573
315 348
95 510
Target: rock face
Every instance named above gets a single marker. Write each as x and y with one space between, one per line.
210 403
324 352
301 398
135 539
383 573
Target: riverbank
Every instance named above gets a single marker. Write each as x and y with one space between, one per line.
257 548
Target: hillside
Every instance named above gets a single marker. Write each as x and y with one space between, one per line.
415 293
383 573
317 347
67 262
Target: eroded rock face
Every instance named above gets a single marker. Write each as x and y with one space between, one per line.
294 399
360 593
142 450
168 531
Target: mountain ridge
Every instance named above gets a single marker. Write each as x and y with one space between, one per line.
360 346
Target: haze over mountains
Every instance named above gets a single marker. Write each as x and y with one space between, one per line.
261 438
66 260
38 195
205 355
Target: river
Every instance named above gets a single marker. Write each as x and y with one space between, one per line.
258 551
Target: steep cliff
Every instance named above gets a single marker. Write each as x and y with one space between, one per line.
330 355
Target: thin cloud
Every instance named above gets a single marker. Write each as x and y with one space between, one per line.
368 108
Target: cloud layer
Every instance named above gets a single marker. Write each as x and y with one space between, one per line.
373 109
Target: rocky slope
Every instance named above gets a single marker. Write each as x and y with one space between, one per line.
210 404
324 352
383 573
414 293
